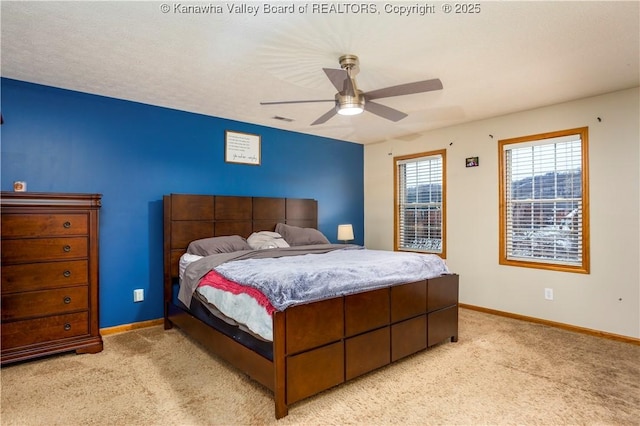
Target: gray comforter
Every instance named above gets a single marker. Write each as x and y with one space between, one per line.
296 275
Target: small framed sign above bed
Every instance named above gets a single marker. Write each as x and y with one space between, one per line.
243 148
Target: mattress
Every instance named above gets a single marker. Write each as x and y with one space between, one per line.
251 286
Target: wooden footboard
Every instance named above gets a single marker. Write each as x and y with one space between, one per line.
322 344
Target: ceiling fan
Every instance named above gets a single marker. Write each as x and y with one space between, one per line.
351 101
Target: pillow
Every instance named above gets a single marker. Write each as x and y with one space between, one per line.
297 236
214 245
266 240
185 260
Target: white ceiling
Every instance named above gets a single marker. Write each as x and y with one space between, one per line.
510 56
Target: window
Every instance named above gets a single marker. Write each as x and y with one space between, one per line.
420 203
544 214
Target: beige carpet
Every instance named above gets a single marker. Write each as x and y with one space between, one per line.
502 371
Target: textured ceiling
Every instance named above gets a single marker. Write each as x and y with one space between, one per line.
507 57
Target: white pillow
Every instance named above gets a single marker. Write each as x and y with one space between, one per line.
185 260
265 240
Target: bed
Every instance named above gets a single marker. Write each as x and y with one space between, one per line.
315 345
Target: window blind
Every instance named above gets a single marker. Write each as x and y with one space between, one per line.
420 204
543 201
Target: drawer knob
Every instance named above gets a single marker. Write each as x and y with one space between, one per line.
67 248
67 300
67 273
67 225
67 327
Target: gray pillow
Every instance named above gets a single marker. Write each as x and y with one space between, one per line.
297 236
214 245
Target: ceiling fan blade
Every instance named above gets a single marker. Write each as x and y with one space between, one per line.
325 117
296 102
405 89
384 111
337 77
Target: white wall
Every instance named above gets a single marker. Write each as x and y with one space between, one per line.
607 299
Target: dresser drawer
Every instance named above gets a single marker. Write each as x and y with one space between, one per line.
43 249
46 302
29 332
40 225
42 276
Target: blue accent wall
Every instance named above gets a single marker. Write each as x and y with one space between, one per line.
64 141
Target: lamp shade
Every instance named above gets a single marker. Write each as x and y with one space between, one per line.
345 232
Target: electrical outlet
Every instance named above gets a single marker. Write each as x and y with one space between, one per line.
138 295
548 293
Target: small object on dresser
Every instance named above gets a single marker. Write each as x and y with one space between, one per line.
19 186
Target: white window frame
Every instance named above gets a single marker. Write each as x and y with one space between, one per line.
550 228
433 245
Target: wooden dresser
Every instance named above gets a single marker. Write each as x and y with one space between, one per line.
49 274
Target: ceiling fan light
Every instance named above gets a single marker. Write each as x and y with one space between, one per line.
349 105
350 110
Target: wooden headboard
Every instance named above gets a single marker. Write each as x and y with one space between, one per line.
190 217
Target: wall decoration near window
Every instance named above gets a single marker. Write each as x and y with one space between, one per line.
472 162
243 148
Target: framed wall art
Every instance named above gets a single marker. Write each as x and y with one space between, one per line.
472 162
242 148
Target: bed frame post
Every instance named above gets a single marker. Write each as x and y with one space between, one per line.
167 281
279 364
